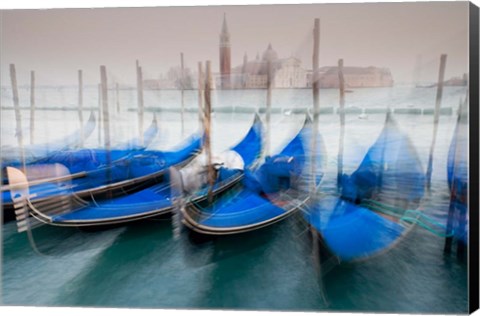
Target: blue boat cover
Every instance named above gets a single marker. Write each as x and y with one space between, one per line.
353 232
157 197
130 165
80 160
242 207
457 174
457 165
77 160
250 204
276 172
250 147
391 164
391 171
139 203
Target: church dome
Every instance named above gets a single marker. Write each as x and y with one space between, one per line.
270 54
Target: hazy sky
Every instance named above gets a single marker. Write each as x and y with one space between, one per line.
56 43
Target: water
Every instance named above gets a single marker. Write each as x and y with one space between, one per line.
142 265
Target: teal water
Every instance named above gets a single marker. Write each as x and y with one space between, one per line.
273 269
143 265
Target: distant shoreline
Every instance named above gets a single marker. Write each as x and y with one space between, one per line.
275 110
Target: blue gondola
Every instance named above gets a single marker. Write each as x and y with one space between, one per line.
92 166
136 170
76 158
457 175
150 202
366 219
268 194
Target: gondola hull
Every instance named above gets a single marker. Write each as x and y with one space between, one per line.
258 201
82 161
146 203
457 176
368 217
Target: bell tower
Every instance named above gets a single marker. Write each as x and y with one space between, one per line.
225 55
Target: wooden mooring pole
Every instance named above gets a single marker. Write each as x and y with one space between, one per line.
18 114
140 101
117 96
316 254
208 125
316 101
201 86
438 102
80 106
316 105
100 120
182 93
341 112
269 106
32 107
106 118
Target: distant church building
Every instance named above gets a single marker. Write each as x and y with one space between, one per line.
288 72
225 56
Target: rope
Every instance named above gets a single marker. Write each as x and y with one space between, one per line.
414 220
407 216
